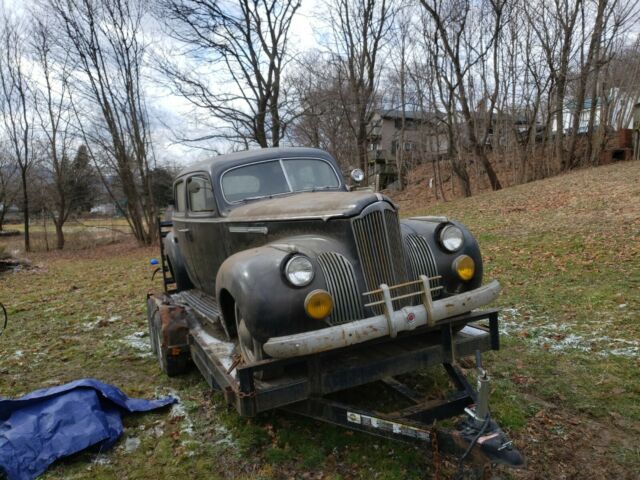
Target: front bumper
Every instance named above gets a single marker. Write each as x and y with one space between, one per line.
430 313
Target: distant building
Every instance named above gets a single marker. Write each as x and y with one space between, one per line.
425 137
106 209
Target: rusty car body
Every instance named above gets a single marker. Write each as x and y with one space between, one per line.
241 221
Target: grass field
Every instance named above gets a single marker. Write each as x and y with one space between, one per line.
567 380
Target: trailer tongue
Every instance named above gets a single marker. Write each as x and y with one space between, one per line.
185 327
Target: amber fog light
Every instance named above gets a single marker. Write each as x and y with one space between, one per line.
318 304
465 267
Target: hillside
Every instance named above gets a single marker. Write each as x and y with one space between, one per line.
567 379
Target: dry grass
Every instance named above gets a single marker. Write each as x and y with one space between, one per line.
565 249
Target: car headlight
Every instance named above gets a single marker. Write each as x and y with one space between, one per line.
299 271
451 238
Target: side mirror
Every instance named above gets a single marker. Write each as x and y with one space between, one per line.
357 175
194 187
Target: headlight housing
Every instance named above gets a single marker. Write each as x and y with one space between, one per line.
451 238
299 271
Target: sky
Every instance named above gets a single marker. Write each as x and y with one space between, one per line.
170 113
176 112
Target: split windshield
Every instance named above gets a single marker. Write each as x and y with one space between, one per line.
276 177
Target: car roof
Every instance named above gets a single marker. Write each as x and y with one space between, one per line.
221 163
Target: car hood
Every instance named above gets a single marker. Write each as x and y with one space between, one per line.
308 205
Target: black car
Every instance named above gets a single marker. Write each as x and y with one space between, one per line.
299 264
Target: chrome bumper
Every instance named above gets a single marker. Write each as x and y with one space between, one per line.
390 323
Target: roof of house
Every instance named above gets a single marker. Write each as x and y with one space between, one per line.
412 115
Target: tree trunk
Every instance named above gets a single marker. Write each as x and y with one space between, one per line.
59 235
25 211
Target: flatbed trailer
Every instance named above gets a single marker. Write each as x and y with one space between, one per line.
185 327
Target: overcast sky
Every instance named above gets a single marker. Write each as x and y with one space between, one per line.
177 112
174 111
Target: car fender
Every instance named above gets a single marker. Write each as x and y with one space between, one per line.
429 228
177 262
255 280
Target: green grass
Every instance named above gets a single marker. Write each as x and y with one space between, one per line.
567 253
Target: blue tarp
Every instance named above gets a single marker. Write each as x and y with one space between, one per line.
51 423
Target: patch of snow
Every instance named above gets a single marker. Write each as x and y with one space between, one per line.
114 318
178 411
18 354
131 444
101 459
540 331
226 438
88 326
139 341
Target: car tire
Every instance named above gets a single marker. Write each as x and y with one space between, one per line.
250 348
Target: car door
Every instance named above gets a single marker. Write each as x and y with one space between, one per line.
205 235
181 227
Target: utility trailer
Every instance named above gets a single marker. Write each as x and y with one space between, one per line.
185 327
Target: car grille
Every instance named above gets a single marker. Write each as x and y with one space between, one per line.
341 284
381 253
422 261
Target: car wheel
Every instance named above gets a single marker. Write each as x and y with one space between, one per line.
250 348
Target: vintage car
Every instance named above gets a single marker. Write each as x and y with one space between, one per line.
298 262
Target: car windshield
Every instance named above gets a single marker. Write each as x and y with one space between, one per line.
276 177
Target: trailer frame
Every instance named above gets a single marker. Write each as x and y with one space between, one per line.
187 327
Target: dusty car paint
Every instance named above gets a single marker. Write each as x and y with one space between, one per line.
235 252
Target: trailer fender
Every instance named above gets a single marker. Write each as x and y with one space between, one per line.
169 335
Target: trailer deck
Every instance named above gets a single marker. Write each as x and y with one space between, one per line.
187 326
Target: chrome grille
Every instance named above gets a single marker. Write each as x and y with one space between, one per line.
379 244
341 284
422 260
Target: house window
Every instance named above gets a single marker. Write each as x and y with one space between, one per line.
408 146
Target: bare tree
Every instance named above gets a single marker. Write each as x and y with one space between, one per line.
15 102
450 21
55 117
359 28
105 40
239 51
8 190
320 121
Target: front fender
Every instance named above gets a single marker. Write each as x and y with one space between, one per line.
429 228
269 305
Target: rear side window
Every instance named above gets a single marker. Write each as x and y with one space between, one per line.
200 195
179 196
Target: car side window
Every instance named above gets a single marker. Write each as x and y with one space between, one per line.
201 197
179 196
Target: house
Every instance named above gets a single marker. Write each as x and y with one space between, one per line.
425 138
